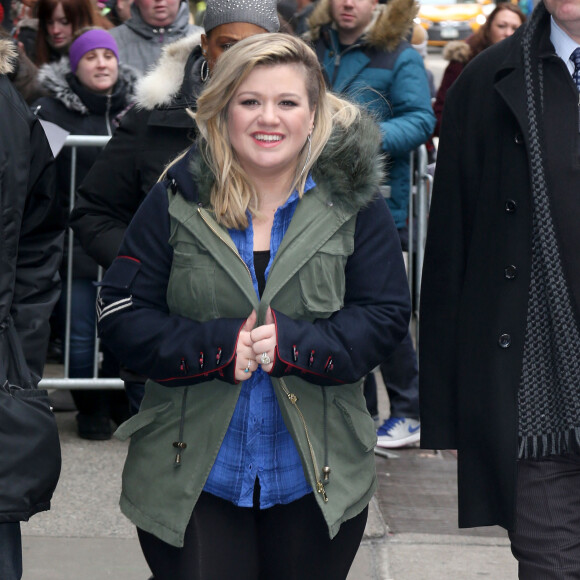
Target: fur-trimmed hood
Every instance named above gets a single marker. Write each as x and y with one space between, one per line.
391 23
457 50
162 85
53 77
8 57
350 167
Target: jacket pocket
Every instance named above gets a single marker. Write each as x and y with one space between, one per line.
322 278
191 290
359 422
140 420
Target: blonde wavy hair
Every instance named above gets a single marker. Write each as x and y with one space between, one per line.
232 193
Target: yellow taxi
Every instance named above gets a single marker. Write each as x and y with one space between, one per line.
446 20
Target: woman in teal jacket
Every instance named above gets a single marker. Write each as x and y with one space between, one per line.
259 281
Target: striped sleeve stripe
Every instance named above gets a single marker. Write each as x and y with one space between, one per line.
114 307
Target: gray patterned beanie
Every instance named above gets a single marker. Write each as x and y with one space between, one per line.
262 13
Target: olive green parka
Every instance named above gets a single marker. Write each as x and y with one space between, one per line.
177 434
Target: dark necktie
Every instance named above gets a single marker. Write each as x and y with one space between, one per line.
575 58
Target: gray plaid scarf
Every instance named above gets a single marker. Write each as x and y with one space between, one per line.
549 394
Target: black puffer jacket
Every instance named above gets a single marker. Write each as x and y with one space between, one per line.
31 223
150 135
81 112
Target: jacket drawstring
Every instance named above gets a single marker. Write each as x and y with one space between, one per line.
160 32
180 444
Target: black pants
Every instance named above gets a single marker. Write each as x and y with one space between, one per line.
285 542
10 551
546 539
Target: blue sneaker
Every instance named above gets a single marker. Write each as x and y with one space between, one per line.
398 432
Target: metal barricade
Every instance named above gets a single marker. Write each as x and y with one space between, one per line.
75 141
419 196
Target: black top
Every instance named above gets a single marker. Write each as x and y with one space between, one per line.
261 260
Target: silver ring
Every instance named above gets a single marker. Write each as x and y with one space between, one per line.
265 359
247 369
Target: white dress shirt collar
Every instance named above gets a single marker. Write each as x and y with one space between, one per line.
563 44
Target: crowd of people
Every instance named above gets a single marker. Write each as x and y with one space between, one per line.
251 214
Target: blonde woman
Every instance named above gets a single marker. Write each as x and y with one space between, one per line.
260 280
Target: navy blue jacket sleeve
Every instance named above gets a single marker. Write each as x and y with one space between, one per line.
133 317
374 319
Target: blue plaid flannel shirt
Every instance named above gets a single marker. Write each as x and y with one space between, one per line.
257 443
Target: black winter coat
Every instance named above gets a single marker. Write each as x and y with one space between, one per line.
477 271
81 112
31 222
150 135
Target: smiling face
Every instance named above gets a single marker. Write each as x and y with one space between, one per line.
269 120
504 24
59 30
98 70
222 37
158 12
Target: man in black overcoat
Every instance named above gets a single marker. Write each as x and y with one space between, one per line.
31 240
500 304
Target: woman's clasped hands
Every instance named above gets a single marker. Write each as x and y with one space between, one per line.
256 346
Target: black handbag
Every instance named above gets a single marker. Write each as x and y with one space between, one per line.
30 458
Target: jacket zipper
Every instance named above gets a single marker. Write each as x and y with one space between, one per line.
291 396
326 468
338 58
219 235
294 401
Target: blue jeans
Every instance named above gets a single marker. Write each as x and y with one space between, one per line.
401 376
82 326
96 402
135 392
10 551
400 371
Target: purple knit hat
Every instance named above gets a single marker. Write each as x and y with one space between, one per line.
90 40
